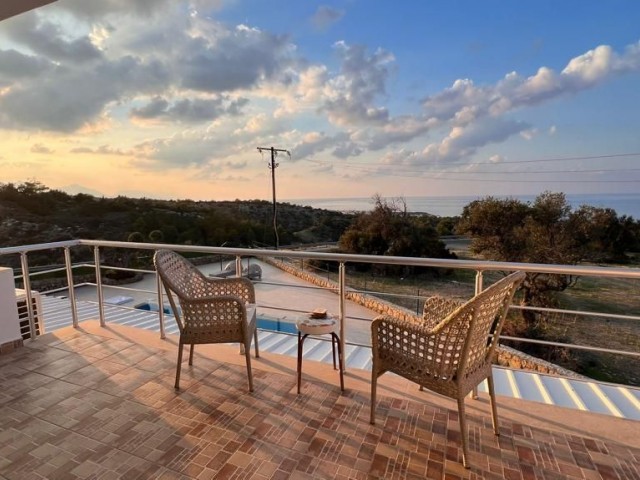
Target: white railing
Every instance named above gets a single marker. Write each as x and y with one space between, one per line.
479 267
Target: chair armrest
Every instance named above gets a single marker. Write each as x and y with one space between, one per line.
437 308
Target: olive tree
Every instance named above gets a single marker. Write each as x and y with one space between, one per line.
547 231
389 229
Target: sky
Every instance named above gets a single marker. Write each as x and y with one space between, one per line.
170 99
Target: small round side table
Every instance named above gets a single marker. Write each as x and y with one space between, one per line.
320 326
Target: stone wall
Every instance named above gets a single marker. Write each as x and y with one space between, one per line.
512 358
376 304
508 357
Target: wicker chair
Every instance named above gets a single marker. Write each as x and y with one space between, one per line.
449 352
211 310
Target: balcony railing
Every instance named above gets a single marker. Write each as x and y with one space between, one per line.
340 277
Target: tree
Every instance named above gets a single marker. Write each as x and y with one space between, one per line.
545 231
390 230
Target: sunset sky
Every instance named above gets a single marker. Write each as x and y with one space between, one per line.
169 99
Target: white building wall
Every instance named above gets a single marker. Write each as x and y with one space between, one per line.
9 325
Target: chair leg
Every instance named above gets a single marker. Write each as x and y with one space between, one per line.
374 384
494 406
191 354
463 432
177 385
300 343
255 342
247 355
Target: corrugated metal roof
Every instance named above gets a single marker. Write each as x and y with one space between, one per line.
609 399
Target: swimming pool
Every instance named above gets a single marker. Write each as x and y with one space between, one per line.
152 307
274 324
264 322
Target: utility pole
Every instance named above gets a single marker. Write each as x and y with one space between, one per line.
273 165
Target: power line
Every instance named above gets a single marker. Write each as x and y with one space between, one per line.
371 169
511 180
537 160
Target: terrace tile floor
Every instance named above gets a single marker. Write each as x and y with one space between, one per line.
99 403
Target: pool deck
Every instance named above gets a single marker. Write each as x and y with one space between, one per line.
271 297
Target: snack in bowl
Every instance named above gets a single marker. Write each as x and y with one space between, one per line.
318 313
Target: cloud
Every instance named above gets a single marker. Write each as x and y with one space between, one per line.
233 87
464 101
191 148
529 133
48 39
66 99
350 95
15 65
326 16
142 8
397 130
254 124
41 149
312 143
189 110
316 142
463 142
101 150
347 149
70 83
99 10
225 60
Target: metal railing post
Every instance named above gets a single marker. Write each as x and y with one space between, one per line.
478 282
26 280
72 292
96 260
239 266
163 335
474 393
341 308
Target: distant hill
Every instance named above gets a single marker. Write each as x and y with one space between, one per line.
32 213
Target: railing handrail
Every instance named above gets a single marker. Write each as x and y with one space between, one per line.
38 246
476 265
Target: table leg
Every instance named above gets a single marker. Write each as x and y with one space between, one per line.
300 343
340 359
333 350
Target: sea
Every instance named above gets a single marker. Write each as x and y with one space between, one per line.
623 203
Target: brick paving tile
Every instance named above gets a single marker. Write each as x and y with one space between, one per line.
86 407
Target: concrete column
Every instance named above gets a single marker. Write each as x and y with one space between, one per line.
10 337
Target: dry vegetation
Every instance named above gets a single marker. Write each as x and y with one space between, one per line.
601 295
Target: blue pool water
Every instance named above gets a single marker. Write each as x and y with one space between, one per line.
153 307
264 322
275 324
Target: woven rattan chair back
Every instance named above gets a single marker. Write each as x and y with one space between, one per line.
207 310
450 350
